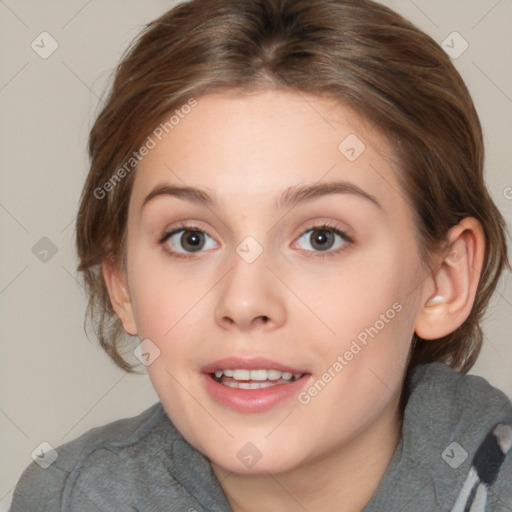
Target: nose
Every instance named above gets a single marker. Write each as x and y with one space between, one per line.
251 297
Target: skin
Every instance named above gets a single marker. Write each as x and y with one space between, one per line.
334 449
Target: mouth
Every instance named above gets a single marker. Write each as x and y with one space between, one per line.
254 379
254 384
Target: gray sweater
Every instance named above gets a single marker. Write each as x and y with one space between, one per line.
454 455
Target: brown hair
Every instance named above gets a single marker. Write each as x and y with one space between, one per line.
358 52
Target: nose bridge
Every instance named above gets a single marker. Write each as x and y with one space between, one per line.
250 293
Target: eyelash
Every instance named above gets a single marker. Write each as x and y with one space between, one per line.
321 227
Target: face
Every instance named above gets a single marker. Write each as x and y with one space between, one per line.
273 267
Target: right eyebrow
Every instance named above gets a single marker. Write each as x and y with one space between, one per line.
192 194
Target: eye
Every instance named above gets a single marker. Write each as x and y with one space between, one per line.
326 239
186 240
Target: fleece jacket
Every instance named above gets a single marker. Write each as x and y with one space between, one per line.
454 455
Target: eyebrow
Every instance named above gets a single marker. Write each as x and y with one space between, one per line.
301 193
288 198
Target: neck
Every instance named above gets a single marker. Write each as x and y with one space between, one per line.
345 478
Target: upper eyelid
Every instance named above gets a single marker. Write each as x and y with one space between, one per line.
302 230
348 239
182 227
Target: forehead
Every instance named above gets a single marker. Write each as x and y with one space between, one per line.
247 147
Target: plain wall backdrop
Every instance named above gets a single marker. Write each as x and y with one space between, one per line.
55 382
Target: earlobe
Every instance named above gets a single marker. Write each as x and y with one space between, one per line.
119 296
454 281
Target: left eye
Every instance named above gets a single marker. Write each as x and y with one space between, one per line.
190 240
323 239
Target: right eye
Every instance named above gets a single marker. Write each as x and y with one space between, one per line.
186 240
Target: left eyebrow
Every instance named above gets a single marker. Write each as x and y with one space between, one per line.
288 198
301 193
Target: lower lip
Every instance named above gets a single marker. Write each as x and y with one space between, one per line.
253 400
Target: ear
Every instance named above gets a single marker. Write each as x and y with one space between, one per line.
449 292
116 283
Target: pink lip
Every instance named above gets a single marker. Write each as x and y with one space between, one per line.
250 363
251 400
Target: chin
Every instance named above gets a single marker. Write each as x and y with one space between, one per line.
263 466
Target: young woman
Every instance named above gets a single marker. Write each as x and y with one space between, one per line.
286 207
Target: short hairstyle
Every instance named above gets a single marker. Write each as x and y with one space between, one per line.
357 52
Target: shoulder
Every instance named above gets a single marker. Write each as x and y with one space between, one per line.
460 427
449 398
501 496
493 464
487 485
82 464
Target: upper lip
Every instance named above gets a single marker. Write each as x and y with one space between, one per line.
249 363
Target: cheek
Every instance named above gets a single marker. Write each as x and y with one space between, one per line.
365 292
368 308
164 294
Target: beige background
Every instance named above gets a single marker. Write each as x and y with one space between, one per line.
55 383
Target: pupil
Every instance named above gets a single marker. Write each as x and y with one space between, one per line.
322 239
193 241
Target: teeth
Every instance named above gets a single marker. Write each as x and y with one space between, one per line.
250 385
256 375
241 374
273 374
